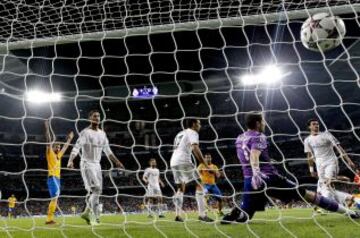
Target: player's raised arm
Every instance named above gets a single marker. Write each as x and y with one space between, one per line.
47 134
70 136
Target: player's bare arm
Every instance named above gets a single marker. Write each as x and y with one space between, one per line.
254 159
344 156
70 137
311 163
117 163
161 183
217 173
197 153
70 164
145 179
47 133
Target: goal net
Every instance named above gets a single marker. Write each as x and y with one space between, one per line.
147 66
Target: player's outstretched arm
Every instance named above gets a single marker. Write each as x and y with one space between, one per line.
70 136
311 164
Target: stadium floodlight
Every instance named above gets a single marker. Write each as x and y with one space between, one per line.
36 96
269 75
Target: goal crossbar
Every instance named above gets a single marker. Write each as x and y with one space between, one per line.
188 26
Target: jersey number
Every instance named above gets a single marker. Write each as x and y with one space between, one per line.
178 139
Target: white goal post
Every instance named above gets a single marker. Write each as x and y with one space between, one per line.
265 18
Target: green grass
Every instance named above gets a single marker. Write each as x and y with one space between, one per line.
272 223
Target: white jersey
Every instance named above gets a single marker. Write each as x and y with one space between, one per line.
92 143
153 177
321 146
182 151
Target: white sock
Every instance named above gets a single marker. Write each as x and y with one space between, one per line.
345 210
149 208
94 204
200 199
342 197
178 202
159 208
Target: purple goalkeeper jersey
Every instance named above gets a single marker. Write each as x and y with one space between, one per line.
253 140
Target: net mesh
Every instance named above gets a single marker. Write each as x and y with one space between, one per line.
197 74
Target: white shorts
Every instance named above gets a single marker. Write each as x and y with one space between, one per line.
153 192
91 175
184 173
328 170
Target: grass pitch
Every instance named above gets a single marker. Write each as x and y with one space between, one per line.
272 223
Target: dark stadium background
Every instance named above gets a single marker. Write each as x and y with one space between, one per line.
198 75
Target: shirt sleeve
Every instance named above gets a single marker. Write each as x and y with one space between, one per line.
79 144
106 148
258 143
193 138
146 174
61 154
332 139
307 146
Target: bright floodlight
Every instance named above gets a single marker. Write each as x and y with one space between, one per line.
36 96
271 74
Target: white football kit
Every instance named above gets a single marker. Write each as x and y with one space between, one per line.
90 145
321 146
183 169
153 177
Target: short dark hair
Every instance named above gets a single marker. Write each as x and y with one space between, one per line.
207 153
92 112
190 122
311 120
251 120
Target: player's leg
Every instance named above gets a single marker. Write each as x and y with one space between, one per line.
252 201
96 191
85 174
218 196
179 194
54 190
190 175
158 199
294 192
148 204
200 200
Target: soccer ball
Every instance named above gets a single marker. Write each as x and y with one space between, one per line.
322 32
